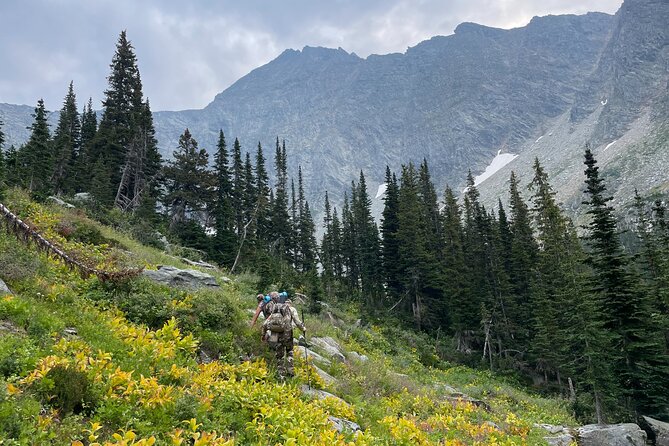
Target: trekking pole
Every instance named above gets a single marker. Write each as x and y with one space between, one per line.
306 352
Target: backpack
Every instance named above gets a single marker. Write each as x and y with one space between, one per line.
280 318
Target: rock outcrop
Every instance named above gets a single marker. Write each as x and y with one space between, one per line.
660 430
329 347
625 434
169 275
4 289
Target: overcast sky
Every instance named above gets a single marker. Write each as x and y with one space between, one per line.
189 51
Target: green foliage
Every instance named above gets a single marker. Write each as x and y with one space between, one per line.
67 390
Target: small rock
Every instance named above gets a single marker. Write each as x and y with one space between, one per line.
624 434
303 352
9 327
660 429
172 276
342 425
70 331
83 197
201 264
60 202
330 347
4 289
325 376
560 440
357 356
319 394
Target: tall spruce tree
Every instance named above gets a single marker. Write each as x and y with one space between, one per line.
263 199
82 171
238 186
390 244
223 210
3 165
66 141
640 363
279 218
456 285
36 156
121 118
367 244
188 181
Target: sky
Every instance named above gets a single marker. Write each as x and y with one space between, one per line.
190 50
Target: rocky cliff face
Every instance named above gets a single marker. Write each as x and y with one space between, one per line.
540 90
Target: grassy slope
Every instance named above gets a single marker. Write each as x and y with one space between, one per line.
136 345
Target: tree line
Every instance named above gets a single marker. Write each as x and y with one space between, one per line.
518 288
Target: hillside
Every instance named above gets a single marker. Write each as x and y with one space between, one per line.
87 362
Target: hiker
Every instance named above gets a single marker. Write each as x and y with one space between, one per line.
263 307
278 331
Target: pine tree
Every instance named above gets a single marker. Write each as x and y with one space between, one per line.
522 261
66 142
350 268
124 112
3 166
262 199
367 244
238 187
188 181
326 250
250 198
37 155
641 365
81 176
390 244
456 286
335 237
223 210
279 218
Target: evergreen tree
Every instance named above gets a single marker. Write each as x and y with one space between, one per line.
640 363
238 187
350 269
66 142
390 244
456 286
82 171
3 167
37 155
123 113
250 197
188 181
522 261
367 244
263 199
279 218
335 237
223 210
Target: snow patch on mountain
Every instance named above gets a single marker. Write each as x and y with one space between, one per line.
501 160
381 191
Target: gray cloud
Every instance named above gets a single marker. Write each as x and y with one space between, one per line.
190 50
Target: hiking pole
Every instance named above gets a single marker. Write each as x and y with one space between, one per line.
306 352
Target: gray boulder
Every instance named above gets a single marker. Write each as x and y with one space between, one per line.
325 376
624 434
59 202
330 347
196 263
319 394
4 289
312 355
560 435
660 429
343 426
172 276
357 356
83 197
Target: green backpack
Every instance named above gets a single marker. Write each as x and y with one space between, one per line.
280 318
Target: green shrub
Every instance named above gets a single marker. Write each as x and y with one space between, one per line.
68 390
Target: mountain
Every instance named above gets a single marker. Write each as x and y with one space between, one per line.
540 90
454 100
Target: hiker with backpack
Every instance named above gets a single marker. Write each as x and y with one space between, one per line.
263 307
278 331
